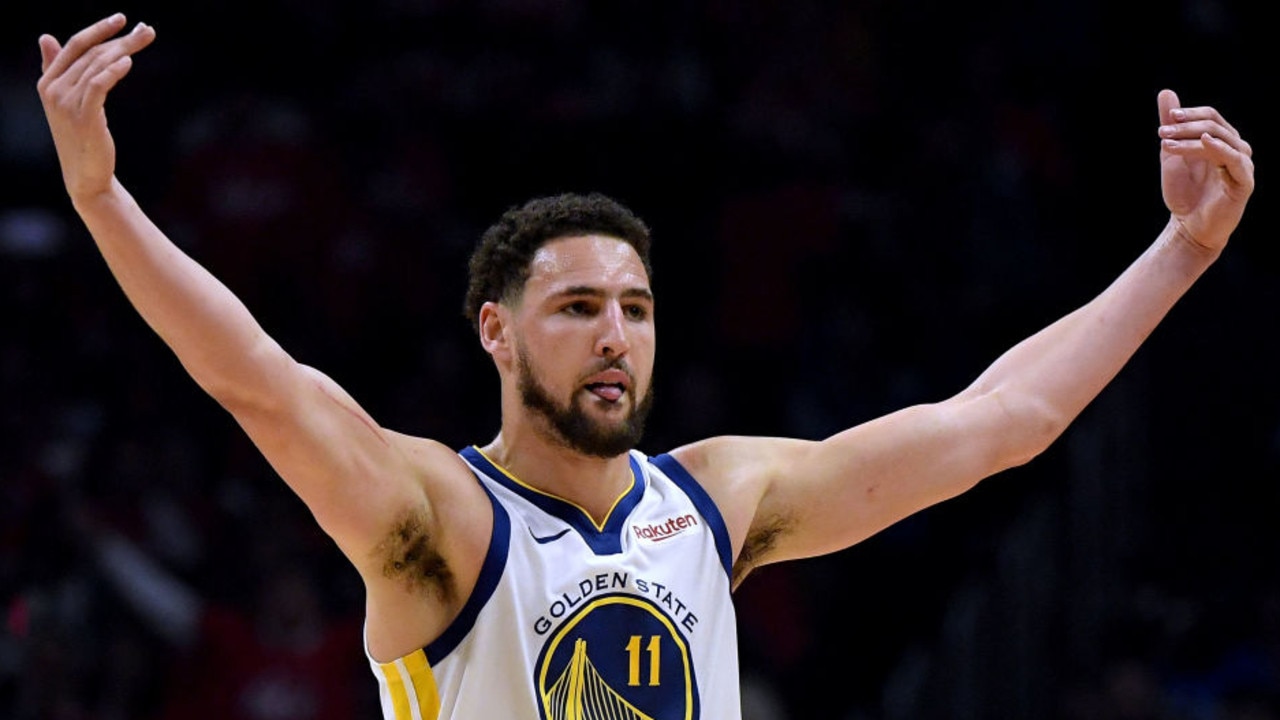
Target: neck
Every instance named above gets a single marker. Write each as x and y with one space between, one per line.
592 483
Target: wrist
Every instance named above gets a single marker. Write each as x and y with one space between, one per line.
1183 241
91 201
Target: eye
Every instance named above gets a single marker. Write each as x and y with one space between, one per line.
578 307
636 312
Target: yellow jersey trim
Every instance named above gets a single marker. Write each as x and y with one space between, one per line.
599 526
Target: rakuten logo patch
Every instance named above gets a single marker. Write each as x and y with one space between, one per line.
665 529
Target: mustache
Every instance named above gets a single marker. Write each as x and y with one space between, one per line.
601 365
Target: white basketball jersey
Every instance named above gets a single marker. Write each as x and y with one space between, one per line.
571 620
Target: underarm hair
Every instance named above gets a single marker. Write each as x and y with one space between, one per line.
410 554
760 540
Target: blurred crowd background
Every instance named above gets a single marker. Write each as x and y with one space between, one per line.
856 206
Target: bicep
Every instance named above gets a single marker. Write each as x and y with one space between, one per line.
349 471
828 495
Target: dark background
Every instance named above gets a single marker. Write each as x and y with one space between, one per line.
856 207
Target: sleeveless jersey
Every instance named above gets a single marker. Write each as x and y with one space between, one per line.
570 620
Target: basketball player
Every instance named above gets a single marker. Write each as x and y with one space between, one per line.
555 572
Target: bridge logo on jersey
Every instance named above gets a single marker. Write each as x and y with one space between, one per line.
619 657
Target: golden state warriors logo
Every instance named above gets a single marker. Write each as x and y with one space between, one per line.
618 657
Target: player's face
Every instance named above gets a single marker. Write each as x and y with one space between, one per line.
585 343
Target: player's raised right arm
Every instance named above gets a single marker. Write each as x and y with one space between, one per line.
355 477
214 336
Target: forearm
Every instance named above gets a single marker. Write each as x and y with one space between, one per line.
214 336
1047 380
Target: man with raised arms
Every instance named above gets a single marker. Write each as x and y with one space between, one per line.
556 571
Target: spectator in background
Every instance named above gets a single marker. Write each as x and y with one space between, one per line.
283 659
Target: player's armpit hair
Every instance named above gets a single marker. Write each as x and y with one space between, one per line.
409 554
762 538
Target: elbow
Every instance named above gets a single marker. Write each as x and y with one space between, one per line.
1030 425
254 381
242 401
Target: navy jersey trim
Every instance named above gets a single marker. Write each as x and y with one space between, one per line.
703 502
606 540
495 561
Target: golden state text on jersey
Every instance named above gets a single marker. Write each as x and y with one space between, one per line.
618 656
574 619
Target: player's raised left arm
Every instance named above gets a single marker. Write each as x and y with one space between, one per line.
785 498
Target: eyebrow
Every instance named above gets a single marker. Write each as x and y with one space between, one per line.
589 291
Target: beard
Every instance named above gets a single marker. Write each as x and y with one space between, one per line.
570 424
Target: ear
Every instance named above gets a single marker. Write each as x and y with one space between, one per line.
495 331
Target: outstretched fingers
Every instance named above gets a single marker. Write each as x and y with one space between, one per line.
101 56
104 61
1206 113
1181 128
1187 135
78 45
81 74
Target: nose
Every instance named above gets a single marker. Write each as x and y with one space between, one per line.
611 339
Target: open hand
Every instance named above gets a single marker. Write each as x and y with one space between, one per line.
1206 171
73 87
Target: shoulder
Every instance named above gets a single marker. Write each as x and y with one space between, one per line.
737 471
738 462
425 451
427 559
455 498
435 465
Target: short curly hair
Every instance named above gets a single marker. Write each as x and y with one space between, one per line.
499 265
